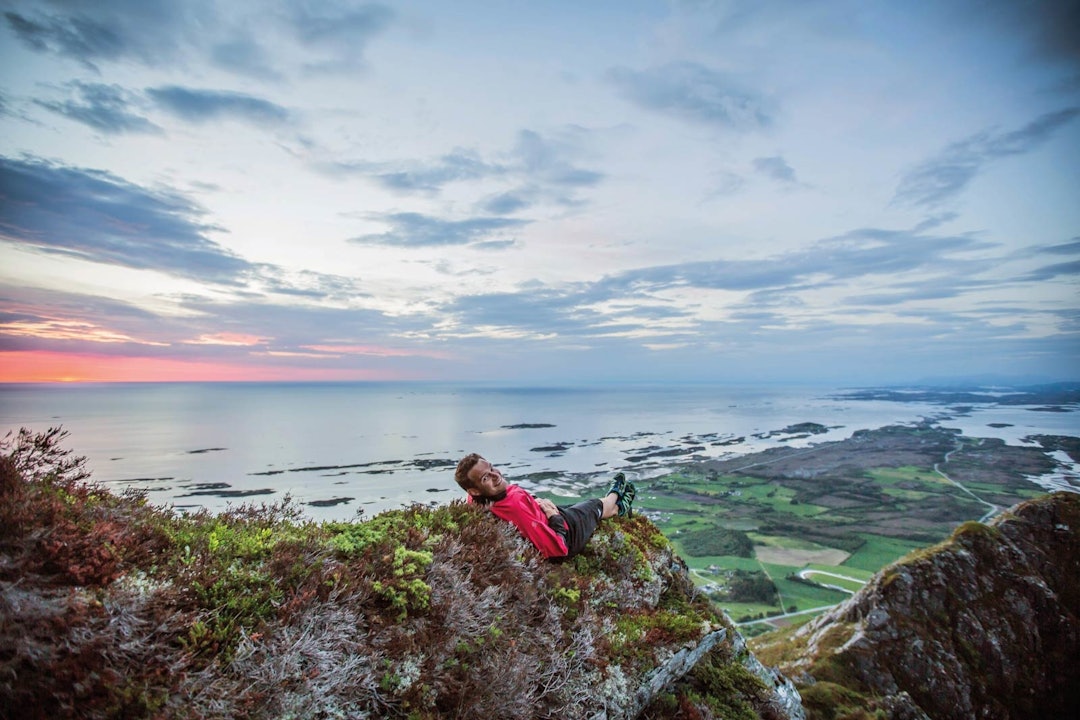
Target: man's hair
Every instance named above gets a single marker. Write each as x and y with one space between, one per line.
461 474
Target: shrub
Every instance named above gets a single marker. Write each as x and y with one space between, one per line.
717 541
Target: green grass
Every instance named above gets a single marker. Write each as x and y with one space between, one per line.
725 562
907 473
808 597
736 610
879 551
906 494
783 541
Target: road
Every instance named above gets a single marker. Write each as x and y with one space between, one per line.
809 611
994 509
806 572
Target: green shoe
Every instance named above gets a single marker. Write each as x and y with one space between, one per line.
618 484
626 501
625 491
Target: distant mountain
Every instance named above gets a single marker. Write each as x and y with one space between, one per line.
986 624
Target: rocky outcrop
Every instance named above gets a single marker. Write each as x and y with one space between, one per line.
110 607
986 624
784 697
657 680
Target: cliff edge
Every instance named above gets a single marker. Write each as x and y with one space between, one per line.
985 624
110 607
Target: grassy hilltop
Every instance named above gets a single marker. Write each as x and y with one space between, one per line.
110 607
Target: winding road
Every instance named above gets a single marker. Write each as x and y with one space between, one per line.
994 509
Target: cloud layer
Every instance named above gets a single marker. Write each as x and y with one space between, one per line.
702 191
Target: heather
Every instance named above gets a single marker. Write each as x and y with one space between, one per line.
113 607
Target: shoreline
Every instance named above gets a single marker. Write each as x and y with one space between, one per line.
645 463
381 448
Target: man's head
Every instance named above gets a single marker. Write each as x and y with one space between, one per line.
477 477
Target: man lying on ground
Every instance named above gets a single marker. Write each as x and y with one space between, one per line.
556 531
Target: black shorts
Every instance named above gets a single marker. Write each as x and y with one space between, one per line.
582 519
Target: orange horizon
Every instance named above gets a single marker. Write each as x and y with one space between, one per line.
53 367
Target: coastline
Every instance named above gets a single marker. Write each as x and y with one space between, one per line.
342 448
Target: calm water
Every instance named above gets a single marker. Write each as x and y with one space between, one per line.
389 445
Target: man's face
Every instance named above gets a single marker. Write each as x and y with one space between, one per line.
486 480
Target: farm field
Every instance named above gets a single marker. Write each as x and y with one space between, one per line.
789 533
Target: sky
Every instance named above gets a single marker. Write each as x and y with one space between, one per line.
837 191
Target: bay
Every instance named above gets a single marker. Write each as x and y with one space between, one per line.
340 448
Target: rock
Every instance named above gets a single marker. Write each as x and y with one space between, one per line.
986 624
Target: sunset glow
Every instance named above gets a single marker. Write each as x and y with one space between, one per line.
33 367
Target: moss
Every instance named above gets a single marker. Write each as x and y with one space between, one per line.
834 638
974 529
729 688
830 701
405 589
637 635
778 646
718 685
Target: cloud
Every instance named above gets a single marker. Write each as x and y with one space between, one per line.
273 279
417 230
81 38
102 107
494 245
768 292
333 36
539 168
456 166
206 105
860 253
1049 272
942 178
537 312
242 55
39 319
547 160
97 216
338 32
509 202
227 338
1070 248
775 168
92 32
81 330
693 92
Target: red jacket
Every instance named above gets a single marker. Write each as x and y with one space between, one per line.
521 508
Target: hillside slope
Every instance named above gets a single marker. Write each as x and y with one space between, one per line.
110 607
986 624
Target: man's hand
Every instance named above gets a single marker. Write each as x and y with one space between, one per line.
547 507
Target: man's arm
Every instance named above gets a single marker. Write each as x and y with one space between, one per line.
555 521
528 514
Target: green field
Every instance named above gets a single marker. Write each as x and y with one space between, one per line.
880 551
850 521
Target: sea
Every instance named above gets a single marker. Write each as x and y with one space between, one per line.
347 450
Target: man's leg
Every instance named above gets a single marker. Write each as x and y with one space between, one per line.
624 492
582 519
